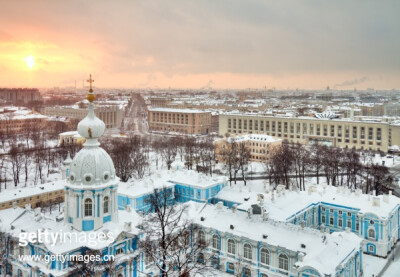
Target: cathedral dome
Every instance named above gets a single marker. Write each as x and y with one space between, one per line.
91 165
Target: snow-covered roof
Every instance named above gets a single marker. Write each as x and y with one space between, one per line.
168 178
284 206
171 110
323 255
15 113
12 194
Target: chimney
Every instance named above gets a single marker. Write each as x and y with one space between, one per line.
386 198
128 226
358 192
374 192
390 192
273 196
219 205
301 256
128 208
347 230
234 208
249 212
376 202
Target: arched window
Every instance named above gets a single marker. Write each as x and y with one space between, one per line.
119 251
247 251
202 238
371 233
231 246
88 207
264 256
216 242
106 203
283 262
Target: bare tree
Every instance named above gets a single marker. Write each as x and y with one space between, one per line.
190 151
229 155
168 236
168 151
282 162
16 163
317 159
244 158
121 155
87 267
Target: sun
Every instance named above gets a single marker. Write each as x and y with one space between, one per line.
30 61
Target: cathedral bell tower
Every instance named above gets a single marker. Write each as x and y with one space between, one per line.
91 186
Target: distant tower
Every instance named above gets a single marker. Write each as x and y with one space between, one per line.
91 188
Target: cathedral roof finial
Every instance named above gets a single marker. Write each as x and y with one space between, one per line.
90 96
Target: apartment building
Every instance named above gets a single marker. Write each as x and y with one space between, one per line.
260 146
182 121
111 114
368 135
33 196
160 102
16 120
20 95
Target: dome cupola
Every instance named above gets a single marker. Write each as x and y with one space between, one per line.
91 165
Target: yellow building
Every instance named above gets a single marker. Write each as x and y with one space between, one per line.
72 137
179 120
33 196
261 147
307 130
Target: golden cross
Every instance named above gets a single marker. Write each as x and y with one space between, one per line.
90 81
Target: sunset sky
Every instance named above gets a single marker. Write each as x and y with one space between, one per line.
192 44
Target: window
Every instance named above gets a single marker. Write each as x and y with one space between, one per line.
216 244
231 268
370 248
340 222
247 251
371 233
119 251
349 214
264 256
246 272
340 212
349 224
231 246
263 275
283 262
331 220
323 219
106 205
200 258
88 207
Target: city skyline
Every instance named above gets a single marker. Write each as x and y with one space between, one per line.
198 44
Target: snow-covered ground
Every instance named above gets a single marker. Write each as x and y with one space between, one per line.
373 265
393 270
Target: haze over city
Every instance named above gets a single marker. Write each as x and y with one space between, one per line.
194 44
